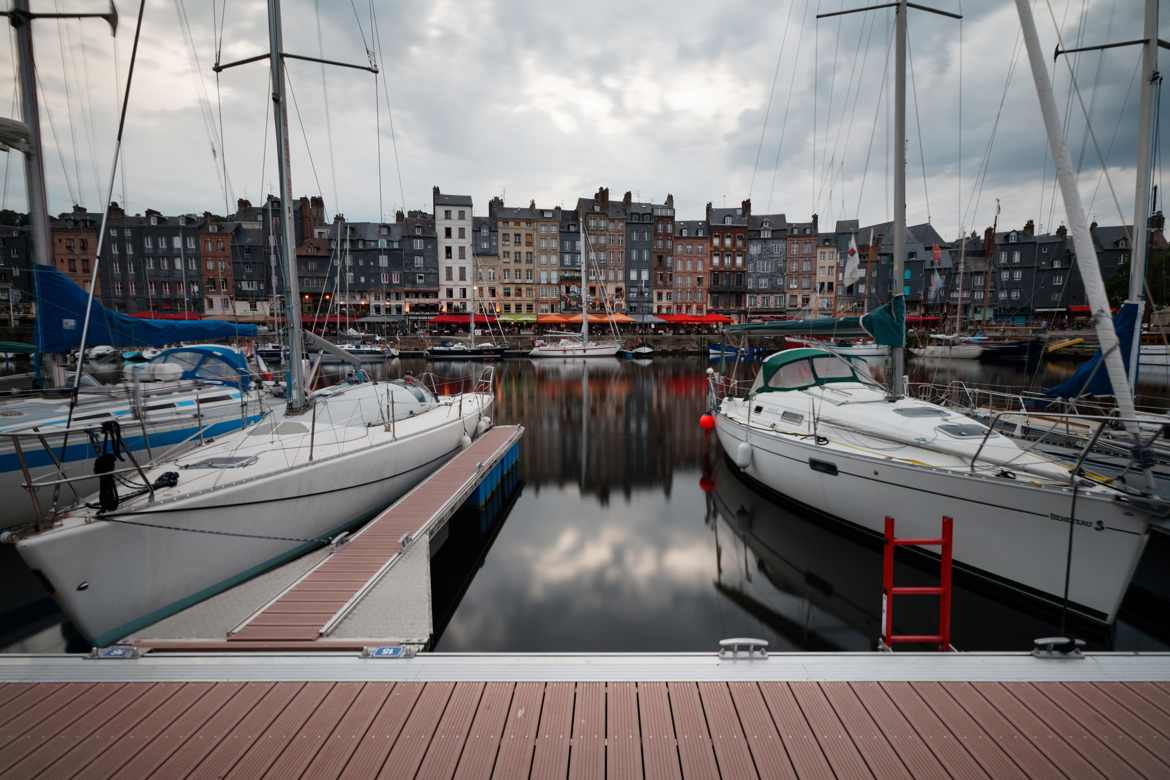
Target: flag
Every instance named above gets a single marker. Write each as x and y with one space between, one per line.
852 263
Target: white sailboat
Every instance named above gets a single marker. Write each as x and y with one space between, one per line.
569 347
950 346
814 429
194 525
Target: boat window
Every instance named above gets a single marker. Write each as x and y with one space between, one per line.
922 411
963 430
224 462
832 368
792 375
420 393
792 417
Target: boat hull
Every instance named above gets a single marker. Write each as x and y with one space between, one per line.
592 349
950 352
1008 530
112 578
469 353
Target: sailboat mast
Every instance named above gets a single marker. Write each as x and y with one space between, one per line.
34 161
897 354
1086 253
297 400
962 269
584 300
474 282
1141 201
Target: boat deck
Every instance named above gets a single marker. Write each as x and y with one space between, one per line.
672 716
376 584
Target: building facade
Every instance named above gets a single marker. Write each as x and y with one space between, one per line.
691 249
727 289
766 262
453 226
604 242
570 280
663 268
486 257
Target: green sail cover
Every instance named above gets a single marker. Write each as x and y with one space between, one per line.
823 326
887 323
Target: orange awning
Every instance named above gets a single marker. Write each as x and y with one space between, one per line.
551 319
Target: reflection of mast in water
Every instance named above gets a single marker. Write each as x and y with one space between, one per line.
584 421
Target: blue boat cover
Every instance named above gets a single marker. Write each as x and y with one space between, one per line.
1091 378
209 363
61 316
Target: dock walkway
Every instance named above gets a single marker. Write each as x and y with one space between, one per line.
801 715
316 602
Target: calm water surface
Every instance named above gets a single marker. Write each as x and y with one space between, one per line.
627 530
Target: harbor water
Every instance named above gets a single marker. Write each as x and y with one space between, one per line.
627 530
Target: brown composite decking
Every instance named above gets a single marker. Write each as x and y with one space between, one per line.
291 730
300 613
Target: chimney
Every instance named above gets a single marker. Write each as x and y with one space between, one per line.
988 242
1029 228
399 216
669 200
434 193
1093 227
1157 224
494 205
1062 231
243 203
116 212
602 198
626 200
746 208
708 212
816 221
532 204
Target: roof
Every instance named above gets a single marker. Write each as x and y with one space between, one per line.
775 221
718 216
616 210
443 199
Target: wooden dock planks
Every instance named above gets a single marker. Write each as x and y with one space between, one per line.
564 729
301 613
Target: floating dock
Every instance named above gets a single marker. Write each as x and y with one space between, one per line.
844 715
374 587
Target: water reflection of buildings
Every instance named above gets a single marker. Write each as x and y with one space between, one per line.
606 424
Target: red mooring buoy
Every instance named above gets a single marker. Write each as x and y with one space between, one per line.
707 422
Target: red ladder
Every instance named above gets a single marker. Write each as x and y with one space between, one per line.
942 590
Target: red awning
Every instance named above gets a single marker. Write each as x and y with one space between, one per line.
328 319
461 319
166 315
919 319
694 319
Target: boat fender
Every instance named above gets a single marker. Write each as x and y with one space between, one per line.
743 455
482 426
465 442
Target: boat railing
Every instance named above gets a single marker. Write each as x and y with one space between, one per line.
720 387
1079 433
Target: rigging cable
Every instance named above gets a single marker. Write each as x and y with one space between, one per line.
1096 83
118 91
209 123
918 122
829 114
68 103
873 128
1044 165
11 112
56 141
1073 89
377 35
787 106
1121 116
328 111
836 169
217 40
87 112
771 96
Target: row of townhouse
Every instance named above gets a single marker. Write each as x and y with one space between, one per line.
522 262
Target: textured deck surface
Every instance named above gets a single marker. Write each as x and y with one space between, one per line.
585 729
301 613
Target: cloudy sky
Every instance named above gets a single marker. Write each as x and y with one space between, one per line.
548 101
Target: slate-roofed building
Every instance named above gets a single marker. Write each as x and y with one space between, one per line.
727 289
486 259
453 226
766 263
604 241
570 251
692 247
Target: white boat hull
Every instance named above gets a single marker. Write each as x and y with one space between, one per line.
951 352
577 349
112 578
1012 531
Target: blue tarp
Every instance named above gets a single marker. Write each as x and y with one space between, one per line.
1091 378
209 363
61 316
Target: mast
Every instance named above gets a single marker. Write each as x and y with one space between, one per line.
34 161
1086 253
897 354
474 282
962 268
584 300
1141 200
297 400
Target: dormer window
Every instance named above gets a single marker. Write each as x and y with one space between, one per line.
418 231
727 220
767 223
684 233
153 219
1123 243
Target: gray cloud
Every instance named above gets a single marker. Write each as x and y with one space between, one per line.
551 101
